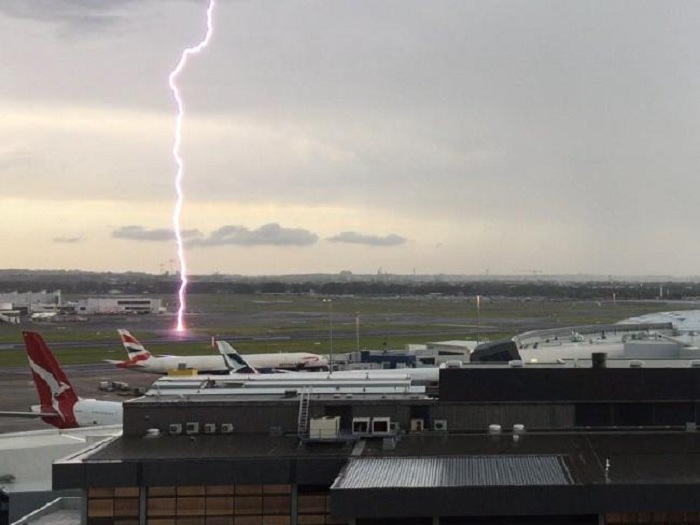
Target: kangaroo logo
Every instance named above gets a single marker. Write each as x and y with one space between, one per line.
56 387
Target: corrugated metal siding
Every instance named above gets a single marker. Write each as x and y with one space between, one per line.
464 471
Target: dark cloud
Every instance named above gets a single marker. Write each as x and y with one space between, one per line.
368 240
86 16
267 235
67 240
139 233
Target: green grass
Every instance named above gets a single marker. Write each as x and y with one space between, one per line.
305 319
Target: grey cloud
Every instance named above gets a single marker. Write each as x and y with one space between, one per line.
368 240
267 235
67 240
83 15
139 233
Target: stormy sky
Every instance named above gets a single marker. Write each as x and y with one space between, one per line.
451 137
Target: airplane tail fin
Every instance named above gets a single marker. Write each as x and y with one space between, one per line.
135 350
56 394
234 361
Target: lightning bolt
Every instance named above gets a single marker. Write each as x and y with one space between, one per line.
177 211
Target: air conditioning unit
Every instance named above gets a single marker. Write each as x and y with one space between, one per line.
440 425
210 428
192 427
360 425
175 428
417 425
227 428
381 426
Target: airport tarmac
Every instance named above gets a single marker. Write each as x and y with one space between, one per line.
19 393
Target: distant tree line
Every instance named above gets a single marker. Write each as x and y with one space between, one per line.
87 283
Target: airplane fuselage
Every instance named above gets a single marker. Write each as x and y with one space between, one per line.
416 375
215 363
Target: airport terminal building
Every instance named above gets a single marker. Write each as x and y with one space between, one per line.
493 444
121 304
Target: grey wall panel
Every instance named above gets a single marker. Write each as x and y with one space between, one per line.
117 474
213 472
68 476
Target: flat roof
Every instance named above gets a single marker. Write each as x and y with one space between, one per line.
635 456
267 396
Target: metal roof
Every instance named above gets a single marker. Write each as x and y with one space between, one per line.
460 471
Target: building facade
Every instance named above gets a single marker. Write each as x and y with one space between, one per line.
119 305
495 445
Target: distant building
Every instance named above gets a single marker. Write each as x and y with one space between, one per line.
119 305
31 302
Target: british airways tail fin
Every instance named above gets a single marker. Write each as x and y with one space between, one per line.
56 394
234 361
135 350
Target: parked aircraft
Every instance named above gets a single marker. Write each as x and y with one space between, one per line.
239 366
60 406
142 360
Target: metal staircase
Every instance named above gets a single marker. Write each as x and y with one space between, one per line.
303 422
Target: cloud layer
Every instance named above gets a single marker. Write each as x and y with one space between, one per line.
139 233
492 132
368 240
267 235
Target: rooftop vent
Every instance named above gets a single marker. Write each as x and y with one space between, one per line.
599 360
440 425
152 433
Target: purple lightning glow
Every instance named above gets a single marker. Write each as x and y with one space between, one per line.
177 212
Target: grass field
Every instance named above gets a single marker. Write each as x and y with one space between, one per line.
272 323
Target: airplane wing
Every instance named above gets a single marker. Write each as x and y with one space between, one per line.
6 413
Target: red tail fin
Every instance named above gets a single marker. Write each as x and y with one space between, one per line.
56 394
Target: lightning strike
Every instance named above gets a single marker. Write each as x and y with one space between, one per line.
177 212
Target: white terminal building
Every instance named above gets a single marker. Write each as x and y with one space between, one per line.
31 302
119 305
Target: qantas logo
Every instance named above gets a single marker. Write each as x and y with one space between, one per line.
56 387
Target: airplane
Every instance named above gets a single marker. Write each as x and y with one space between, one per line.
142 360
43 316
239 368
60 405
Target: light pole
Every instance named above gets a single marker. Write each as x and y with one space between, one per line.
330 329
478 308
357 330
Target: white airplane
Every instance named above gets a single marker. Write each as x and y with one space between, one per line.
43 316
60 406
240 368
244 379
142 360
